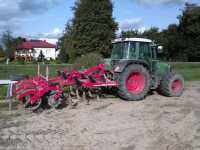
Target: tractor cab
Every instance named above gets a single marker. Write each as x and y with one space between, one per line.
137 50
131 48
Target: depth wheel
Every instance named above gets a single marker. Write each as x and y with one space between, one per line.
29 106
54 103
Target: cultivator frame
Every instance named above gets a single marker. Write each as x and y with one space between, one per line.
38 90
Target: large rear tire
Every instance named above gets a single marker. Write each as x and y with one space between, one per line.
172 85
134 83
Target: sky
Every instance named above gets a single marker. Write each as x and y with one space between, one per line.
46 19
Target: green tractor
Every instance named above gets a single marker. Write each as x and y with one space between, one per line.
136 68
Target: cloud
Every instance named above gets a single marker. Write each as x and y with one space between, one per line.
36 6
54 34
131 24
13 12
160 2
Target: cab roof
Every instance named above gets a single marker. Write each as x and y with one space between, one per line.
132 39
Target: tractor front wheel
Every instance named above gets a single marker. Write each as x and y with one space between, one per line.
134 83
172 85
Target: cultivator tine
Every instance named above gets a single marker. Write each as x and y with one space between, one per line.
90 94
71 91
70 88
88 101
70 100
77 94
84 96
72 103
98 97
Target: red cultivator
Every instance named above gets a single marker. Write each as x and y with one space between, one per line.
34 92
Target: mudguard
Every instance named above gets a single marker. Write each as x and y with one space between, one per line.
122 64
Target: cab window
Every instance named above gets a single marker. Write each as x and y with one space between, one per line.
120 50
145 50
132 51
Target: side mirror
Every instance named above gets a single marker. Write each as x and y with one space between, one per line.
160 49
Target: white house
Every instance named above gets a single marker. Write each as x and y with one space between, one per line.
31 50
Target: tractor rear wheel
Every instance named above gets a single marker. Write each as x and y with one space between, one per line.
172 85
134 83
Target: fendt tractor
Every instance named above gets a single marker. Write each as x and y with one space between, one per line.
137 70
133 71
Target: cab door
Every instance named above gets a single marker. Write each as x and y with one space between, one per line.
154 60
145 54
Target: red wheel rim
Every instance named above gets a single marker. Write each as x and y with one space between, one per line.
135 83
176 86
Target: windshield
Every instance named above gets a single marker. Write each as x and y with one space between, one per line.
120 50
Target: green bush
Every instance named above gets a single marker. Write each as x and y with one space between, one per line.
89 60
3 92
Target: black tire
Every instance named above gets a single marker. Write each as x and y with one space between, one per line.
122 78
54 103
30 107
166 87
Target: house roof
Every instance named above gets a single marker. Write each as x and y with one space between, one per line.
35 44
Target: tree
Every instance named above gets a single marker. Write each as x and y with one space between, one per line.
1 52
65 45
131 34
8 46
190 27
92 28
41 57
18 40
154 34
174 44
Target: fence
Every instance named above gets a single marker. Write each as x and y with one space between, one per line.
8 71
9 93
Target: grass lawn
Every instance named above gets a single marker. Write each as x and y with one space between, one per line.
191 72
3 92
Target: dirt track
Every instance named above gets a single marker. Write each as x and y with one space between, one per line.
157 123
